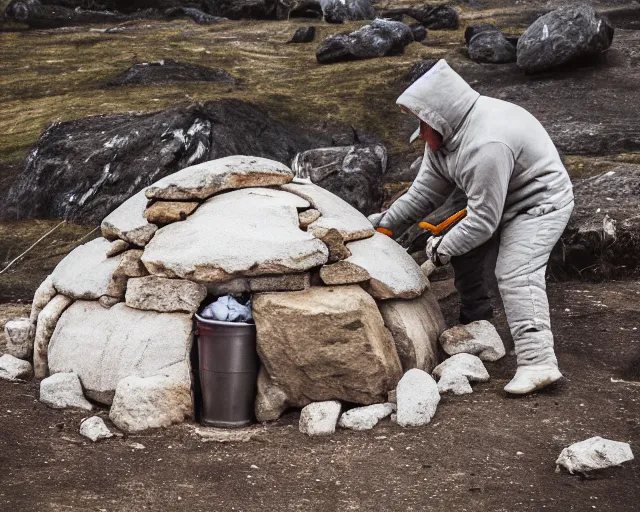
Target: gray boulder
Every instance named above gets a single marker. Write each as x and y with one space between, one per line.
456 373
353 173
562 36
365 418
19 334
63 390
12 368
94 429
417 399
167 71
477 338
339 11
379 39
320 418
491 46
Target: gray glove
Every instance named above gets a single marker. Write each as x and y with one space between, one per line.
432 252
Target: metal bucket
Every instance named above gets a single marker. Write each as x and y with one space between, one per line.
228 364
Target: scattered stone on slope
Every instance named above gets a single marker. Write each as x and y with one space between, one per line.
491 46
131 151
339 11
417 399
167 70
141 403
201 18
94 429
438 17
379 39
153 293
122 342
365 418
343 272
250 233
477 338
353 173
282 283
456 373
306 9
328 319
415 326
63 390
419 32
394 274
303 35
19 334
594 453
12 368
128 222
87 272
336 213
562 36
47 321
39 16
229 173
320 418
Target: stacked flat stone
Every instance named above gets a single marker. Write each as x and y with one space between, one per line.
349 308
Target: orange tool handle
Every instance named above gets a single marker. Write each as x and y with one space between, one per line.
436 230
385 231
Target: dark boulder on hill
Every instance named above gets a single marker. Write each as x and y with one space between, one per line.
39 16
81 170
562 37
168 70
339 11
491 46
303 35
379 39
438 17
201 18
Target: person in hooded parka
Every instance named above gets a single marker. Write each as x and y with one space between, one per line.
517 190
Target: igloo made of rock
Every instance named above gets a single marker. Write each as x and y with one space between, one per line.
340 310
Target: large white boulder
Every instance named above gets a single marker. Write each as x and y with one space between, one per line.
594 453
128 223
326 343
417 399
241 233
233 172
103 346
19 335
478 338
164 295
394 273
47 321
415 326
63 390
87 272
365 418
141 403
336 213
320 418
12 368
456 373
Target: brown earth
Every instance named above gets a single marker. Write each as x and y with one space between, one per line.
481 452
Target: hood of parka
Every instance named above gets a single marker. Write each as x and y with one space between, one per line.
441 98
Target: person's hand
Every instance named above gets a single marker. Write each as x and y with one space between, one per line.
376 219
432 252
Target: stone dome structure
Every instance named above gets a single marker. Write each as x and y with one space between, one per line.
341 311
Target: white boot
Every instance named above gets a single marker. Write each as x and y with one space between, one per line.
531 378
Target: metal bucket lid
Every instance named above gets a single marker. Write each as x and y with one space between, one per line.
208 321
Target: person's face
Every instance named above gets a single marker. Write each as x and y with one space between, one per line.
430 136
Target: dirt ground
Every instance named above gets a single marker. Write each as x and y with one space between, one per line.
481 452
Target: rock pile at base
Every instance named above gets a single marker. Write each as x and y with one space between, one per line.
334 302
